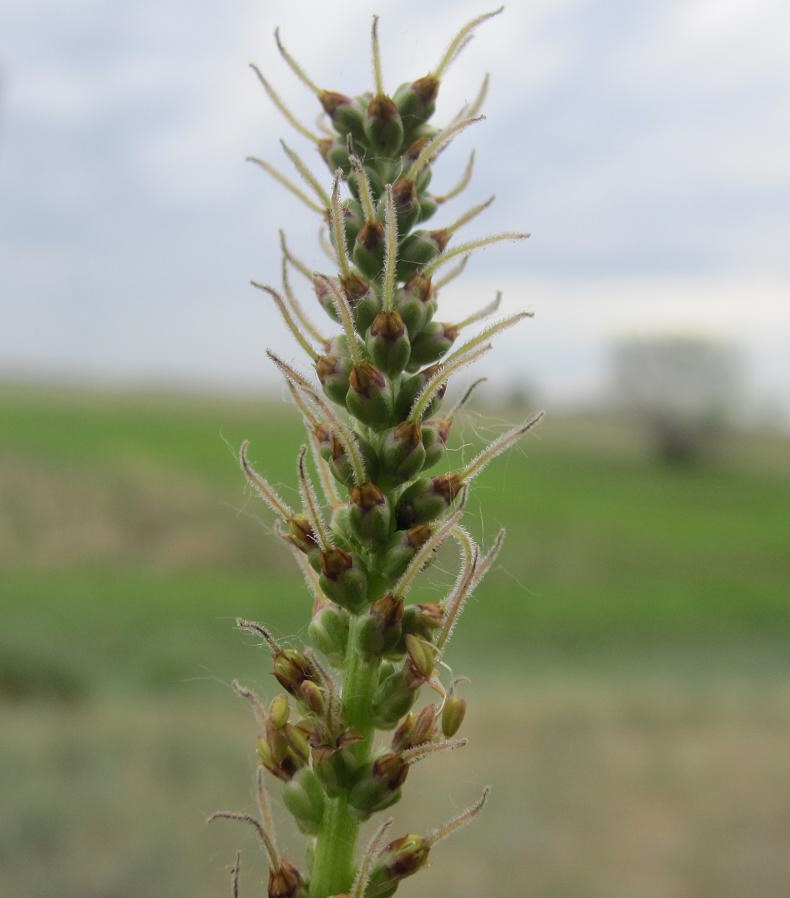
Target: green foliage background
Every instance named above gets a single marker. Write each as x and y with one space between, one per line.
629 655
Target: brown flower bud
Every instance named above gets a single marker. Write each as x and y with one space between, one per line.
284 881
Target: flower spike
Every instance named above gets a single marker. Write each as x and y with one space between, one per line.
371 515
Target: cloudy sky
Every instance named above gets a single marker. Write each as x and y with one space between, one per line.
646 146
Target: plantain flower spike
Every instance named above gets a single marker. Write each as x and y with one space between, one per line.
340 731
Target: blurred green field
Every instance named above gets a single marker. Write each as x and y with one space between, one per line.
635 634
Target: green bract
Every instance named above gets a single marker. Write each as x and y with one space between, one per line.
343 735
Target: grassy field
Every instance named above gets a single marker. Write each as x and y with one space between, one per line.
635 634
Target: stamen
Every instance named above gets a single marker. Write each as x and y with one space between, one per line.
278 102
462 184
287 183
295 67
450 366
452 826
460 41
307 176
298 335
436 144
496 448
464 248
262 487
391 257
362 878
310 502
376 53
480 314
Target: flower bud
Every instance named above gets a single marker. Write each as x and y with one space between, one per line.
353 220
426 499
419 140
380 630
335 763
300 534
333 372
402 454
383 126
428 205
435 434
368 397
415 729
277 754
421 657
415 303
369 249
291 669
279 711
453 715
388 342
378 786
305 798
416 102
432 342
410 387
337 157
394 696
342 579
401 858
407 205
369 513
297 741
346 113
312 696
423 620
417 250
363 299
402 548
325 296
328 632
284 881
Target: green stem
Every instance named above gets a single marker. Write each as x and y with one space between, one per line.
335 846
333 867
